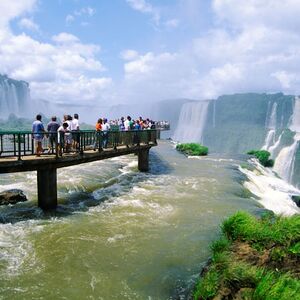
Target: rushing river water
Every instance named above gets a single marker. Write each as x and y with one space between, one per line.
118 233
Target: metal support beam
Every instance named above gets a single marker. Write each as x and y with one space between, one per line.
47 188
143 160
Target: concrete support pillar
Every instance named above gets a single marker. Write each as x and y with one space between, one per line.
158 134
47 188
143 160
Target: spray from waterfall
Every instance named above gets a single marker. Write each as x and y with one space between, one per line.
271 125
284 162
14 97
191 123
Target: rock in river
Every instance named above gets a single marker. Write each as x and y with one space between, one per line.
12 197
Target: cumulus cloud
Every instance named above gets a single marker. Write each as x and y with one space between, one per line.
246 48
254 46
65 38
57 70
28 24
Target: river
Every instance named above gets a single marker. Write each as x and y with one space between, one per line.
118 233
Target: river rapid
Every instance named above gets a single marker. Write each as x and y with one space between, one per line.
119 233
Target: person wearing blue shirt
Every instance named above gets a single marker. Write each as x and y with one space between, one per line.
38 132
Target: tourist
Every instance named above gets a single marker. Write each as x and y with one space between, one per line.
127 123
68 134
38 132
75 131
52 130
105 130
98 133
61 132
121 124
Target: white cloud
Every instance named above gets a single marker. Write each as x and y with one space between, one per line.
28 24
12 9
65 38
129 54
250 48
146 8
81 13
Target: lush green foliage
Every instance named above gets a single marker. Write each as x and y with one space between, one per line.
192 149
263 157
228 271
269 230
15 123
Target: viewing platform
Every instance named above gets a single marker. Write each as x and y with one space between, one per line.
17 155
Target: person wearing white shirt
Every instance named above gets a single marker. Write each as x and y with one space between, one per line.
105 130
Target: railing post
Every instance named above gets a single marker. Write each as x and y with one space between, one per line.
19 146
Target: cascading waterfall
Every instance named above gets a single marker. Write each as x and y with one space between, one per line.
284 162
271 125
14 97
191 123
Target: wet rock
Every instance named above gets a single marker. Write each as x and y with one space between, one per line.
12 197
296 199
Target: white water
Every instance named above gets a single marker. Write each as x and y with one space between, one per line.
14 97
284 162
191 122
270 140
271 125
271 120
273 192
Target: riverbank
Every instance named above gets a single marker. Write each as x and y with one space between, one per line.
253 259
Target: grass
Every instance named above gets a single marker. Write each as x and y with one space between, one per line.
263 157
254 259
193 149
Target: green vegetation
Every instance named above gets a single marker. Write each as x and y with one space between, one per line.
263 157
15 123
192 149
254 259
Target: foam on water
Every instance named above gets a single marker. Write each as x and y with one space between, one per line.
273 192
16 249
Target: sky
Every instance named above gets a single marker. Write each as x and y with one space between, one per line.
136 51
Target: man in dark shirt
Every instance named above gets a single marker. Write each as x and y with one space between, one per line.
52 130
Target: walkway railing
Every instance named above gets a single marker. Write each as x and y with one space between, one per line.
21 143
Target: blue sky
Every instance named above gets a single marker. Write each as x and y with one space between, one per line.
127 51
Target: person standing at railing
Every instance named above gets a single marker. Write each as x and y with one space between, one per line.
105 132
68 134
61 132
121 124
98 132
52 131
38 132
75 131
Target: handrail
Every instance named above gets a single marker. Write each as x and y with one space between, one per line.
21 143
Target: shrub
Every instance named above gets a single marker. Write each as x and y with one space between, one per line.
230 276
263 157
193 149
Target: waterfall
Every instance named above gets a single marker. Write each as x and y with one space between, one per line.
284 163
214 114
271 125
270 140
191 123
285 160
14 97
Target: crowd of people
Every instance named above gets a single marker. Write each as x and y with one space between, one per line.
65 136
